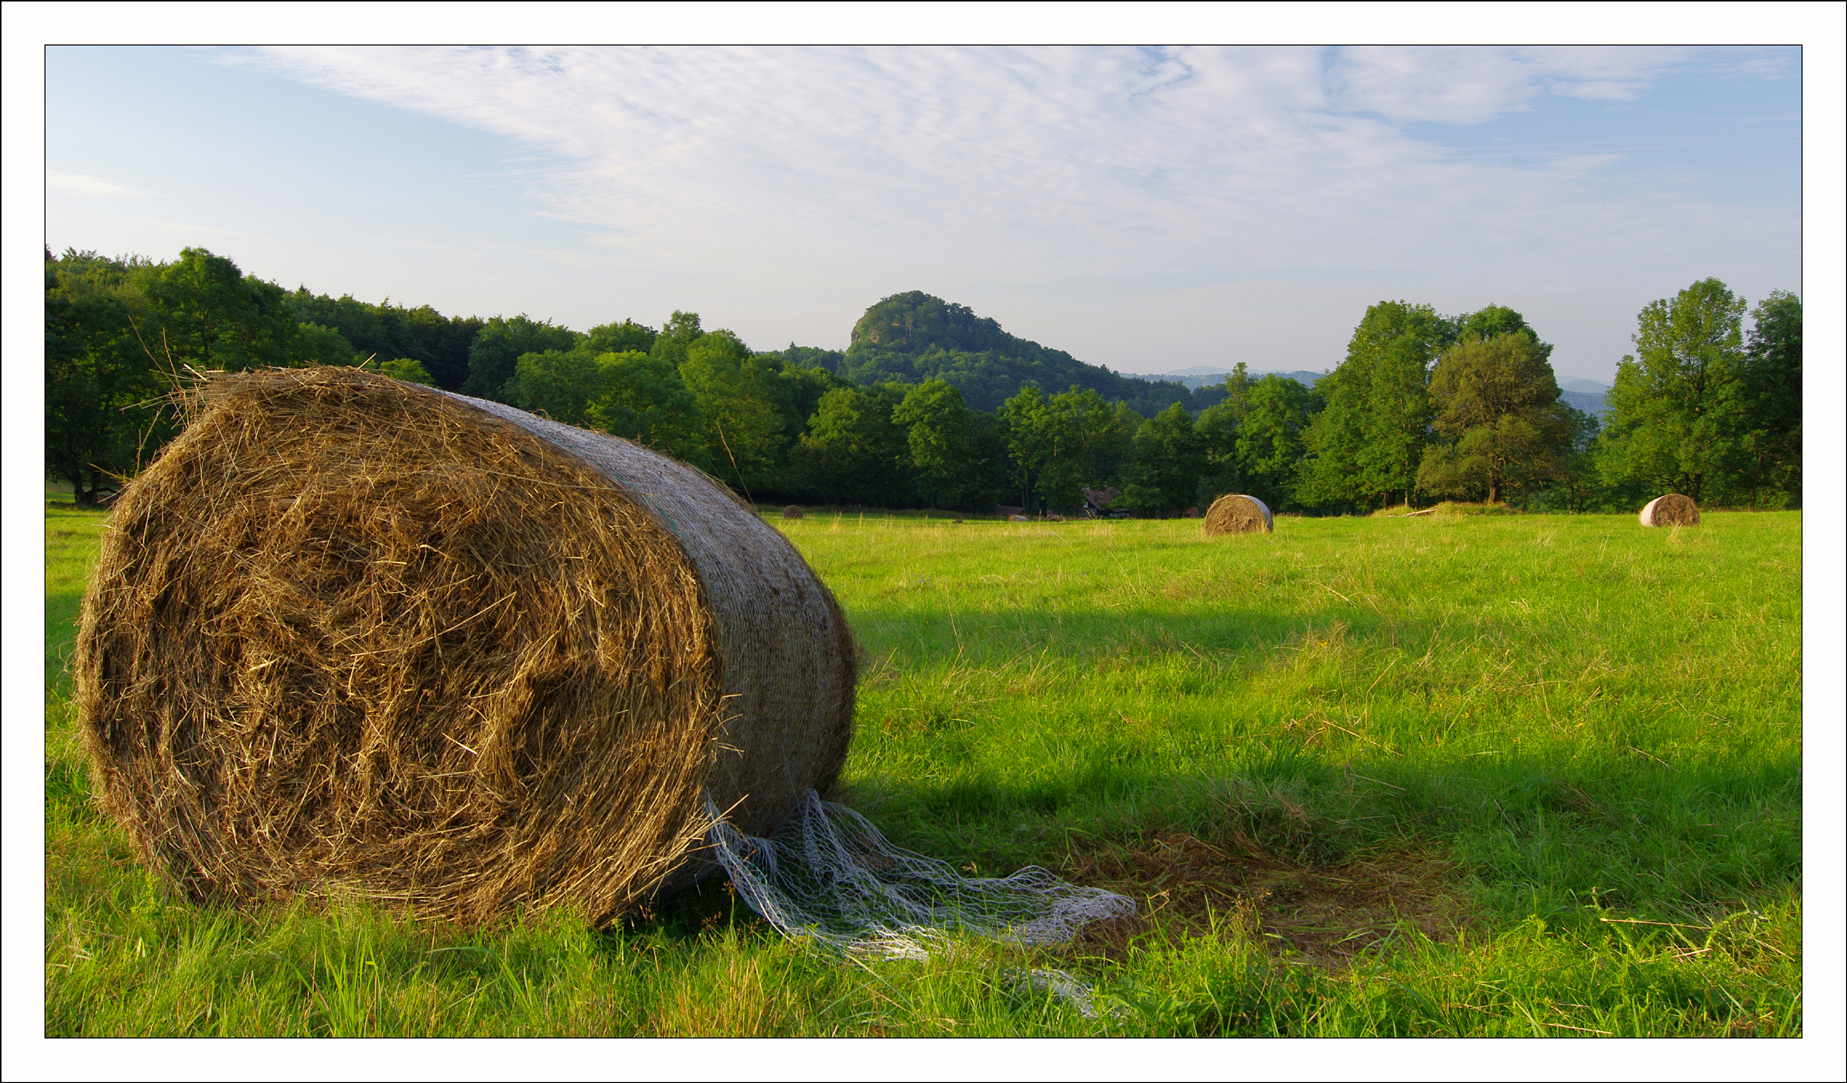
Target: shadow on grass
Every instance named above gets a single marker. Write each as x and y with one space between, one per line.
707 908
1326 863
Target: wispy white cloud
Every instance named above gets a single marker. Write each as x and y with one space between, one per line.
1036 163
1584 163
1456 85
83 185
1602 90
191 229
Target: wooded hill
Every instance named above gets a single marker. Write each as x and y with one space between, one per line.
910 338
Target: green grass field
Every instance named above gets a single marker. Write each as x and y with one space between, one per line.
1496 775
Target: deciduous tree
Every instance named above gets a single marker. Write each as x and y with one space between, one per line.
1677 406
853 451
1496 402
642 398
1020 419
559 384
938 429
679 332
1066 441
736 397
1770 448
213 316
318 345
1269 440
1217 434
494 356
1366 443
621 337
102 384
1164 468
408 369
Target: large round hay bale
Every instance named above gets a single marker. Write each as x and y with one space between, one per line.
1235 513
350 636
793 511
1671 510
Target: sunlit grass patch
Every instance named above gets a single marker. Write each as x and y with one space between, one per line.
1480 775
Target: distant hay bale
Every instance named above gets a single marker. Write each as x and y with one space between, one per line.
793 511
1670 510
1018 519
351 636
1237 514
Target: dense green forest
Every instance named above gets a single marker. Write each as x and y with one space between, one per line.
931 405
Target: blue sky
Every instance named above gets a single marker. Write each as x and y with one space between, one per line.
1148 209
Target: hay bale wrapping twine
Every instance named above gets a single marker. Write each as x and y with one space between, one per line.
1235 513
1670 510
353 636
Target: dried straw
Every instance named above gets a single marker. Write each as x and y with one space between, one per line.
1671 510
353 636
1237 514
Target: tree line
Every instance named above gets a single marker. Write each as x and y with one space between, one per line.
931 406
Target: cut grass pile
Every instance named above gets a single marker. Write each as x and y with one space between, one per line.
1447 508
1427 776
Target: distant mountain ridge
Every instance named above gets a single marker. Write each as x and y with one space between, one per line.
1585 395
1593 404
1210 376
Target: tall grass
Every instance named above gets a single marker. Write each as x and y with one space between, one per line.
1483 776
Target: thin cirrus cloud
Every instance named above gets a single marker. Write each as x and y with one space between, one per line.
84 185
1471 86
1042 164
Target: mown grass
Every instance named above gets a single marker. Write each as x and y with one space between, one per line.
1505 775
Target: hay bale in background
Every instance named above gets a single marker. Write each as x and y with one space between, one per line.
793 511
1671 510
350 635
1237 514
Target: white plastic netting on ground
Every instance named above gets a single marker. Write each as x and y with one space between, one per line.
828 874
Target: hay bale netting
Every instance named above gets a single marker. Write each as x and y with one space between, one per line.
1671 510
355 636
1237 514
793 511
